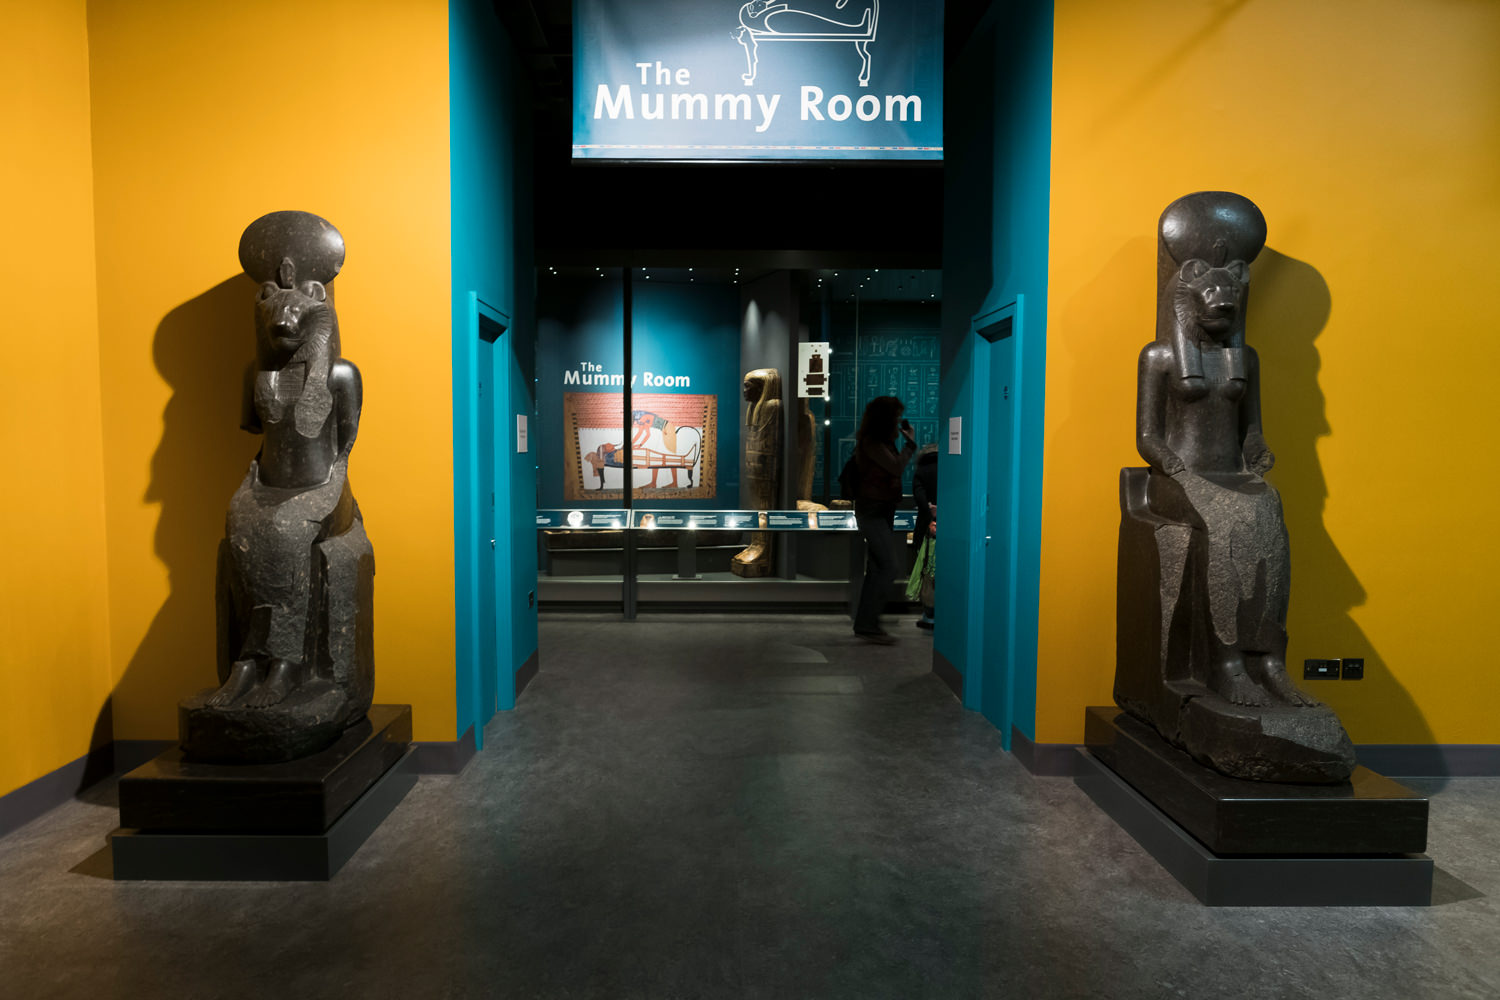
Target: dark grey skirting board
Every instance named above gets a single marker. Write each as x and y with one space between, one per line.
948 674
445 757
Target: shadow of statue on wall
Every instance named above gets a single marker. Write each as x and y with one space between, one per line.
1291 306
201 348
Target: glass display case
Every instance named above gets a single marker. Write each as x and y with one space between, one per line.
691 423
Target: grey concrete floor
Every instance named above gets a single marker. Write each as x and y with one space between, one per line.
734 806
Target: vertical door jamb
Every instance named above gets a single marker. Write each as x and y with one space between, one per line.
990 328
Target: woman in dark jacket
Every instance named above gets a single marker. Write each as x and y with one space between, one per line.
880 468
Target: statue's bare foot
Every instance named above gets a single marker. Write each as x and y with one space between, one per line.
751 554
1270 673
1229 680
240 680
281 678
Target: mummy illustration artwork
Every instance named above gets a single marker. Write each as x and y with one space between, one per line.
645 422
670 437
808 21
612 456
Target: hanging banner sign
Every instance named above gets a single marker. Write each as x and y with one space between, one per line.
763 80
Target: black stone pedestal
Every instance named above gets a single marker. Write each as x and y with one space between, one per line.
1246 843
295 821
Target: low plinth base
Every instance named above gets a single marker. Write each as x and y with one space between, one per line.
261 857
1250 880
296 821
1245 843
1368 814
305 795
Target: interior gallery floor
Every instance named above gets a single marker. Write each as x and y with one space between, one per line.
709 806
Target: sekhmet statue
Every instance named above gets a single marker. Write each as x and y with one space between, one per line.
295 580
1204 570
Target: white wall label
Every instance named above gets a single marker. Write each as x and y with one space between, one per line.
955 435
520 433
812 369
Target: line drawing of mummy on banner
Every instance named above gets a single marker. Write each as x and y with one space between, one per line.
672 445
808 21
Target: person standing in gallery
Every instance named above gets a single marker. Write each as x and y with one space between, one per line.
880 467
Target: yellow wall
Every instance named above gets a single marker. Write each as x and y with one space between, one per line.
1367 132
205 116
54 649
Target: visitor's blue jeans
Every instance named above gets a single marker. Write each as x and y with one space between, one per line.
876 519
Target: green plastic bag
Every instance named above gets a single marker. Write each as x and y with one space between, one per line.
925 567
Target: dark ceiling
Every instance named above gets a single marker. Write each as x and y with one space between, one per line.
807 216
542 31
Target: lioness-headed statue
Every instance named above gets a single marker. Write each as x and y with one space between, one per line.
1204 564
295 570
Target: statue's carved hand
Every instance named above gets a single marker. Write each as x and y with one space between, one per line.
1258 457
1172 464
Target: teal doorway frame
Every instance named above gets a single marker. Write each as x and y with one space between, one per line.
994 506
485 675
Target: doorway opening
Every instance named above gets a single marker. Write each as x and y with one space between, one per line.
980 219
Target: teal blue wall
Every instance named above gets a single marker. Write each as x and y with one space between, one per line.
996 204
678 328
489 148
